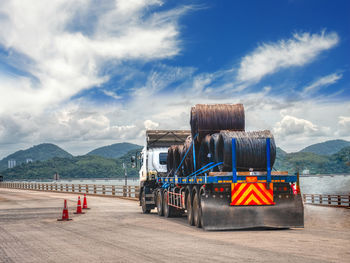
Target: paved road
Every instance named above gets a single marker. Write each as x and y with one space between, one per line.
114 230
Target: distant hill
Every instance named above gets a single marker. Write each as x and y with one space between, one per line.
115 150
86 166
280 152
327 147
316 164
41 152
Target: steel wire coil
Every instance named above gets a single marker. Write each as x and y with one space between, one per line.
209 119
204 155
170 160
188 165
177 152
214 138
250 150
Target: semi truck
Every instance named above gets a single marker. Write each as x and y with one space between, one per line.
211 196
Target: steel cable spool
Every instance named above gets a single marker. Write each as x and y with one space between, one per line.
204 155
214 138
250 150
209 119
177 159
188 166
170 160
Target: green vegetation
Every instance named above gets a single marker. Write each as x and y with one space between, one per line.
49 159
115 150
326 148
41 152
87 166
316 164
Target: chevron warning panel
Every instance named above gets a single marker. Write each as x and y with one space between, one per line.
251 194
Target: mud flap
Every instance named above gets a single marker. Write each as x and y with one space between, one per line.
217 214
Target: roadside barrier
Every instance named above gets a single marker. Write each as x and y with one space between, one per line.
327 200
124 191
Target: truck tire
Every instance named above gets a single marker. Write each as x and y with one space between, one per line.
145 209
166 207
197 210
189 209
160 206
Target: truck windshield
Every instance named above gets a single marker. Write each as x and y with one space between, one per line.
162 158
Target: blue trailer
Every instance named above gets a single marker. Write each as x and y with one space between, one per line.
226 200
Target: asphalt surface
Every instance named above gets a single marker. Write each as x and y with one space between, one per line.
114 230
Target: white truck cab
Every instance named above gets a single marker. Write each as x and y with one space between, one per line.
153 162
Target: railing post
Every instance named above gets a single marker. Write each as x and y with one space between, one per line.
113 190
94 189
320 198
103 189
339 200
137 192
312 199
129 190
79 188
67 188
73 188
124 190
329 200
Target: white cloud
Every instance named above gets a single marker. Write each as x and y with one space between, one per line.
344 126
150 125
65 58
111 94
321 82
290 125
66 45
272 57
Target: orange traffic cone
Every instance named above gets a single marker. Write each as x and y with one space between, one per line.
85 203
79 211
65 216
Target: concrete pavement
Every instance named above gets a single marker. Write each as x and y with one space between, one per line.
114 230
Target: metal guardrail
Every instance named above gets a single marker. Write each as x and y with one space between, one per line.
125 191
328 200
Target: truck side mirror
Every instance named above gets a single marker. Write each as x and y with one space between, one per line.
133 161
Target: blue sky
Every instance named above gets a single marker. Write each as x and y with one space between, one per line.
88 73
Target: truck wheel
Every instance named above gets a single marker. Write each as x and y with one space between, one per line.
167 208
189 209
196 210
145 209
160 207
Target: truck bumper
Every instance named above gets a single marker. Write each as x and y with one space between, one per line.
217 214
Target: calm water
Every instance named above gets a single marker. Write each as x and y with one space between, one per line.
337 184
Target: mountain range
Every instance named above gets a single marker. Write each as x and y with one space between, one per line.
115 150
327 147
41 152
106 161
